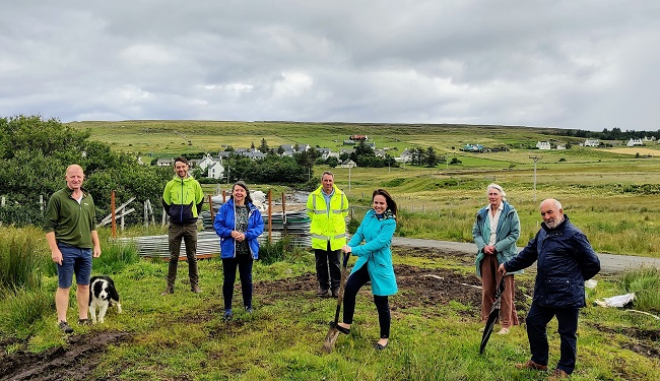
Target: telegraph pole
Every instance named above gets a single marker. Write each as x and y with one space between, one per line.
536 159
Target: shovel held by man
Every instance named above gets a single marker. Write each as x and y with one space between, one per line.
492 317
333 332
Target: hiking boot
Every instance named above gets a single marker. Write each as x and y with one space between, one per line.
335 292
196 290
84 322
532 365
228 316
248 309
64 326
168 290
558 374
322 293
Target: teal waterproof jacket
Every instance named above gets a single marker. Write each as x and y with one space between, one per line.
508 232
377 234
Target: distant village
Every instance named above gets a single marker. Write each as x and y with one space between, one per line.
214 168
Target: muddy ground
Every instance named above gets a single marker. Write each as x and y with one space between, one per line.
418 288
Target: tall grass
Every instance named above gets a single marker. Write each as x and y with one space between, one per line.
645 283
282 250
21 263
114 258
22 308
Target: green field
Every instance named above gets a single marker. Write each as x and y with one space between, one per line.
611 194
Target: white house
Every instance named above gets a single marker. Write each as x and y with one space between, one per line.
327 153
561 146
405 157
348 164
543 145
164 162
634 142
215 169
591 143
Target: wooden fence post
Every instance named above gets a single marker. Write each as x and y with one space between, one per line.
284 213
270 216
112 210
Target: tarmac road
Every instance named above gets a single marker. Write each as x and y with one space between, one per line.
609 263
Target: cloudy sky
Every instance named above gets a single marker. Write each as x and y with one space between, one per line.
589 64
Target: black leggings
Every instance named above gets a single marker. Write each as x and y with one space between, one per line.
353 284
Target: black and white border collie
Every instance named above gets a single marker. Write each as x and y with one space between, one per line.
102 293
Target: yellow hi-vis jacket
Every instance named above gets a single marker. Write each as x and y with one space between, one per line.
328 224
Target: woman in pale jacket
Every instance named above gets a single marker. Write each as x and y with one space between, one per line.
374 264
495 232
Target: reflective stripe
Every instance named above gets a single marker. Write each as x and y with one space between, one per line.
337 211
318 236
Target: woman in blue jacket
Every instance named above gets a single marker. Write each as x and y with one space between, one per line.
374 263
495 232
238 223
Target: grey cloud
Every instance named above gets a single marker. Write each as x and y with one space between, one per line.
572 64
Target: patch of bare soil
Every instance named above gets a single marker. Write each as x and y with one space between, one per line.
76 362
417 287
642 339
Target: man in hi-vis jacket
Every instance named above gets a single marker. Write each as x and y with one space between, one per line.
182 200
327 207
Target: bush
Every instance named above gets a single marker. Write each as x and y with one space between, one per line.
271 252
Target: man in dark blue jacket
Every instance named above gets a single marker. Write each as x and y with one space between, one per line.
565 261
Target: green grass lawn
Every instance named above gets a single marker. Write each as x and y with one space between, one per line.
183 336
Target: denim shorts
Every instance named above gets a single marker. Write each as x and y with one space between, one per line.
74 260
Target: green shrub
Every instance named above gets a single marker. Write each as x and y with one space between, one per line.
271 252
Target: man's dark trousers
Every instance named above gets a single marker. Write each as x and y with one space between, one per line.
328 259
537 321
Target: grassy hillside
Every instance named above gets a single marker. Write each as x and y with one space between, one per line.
612 194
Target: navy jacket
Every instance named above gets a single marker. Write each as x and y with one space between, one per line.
565 260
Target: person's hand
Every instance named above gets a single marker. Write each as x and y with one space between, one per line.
235 234
97 251
489 249
347 249
501 270
57 256
241 237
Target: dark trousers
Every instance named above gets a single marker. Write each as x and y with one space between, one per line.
187 233
537 320
328 259
353 284
229 265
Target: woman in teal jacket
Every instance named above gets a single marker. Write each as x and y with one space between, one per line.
374 263
495 232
